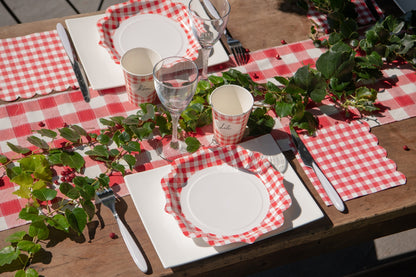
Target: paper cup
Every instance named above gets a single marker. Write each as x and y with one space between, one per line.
231 108
137 64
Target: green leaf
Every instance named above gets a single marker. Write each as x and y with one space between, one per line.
77 219
79 130
47 133
107 122
131 160
73 160
328 63
45 194
118 167
8 254
59 222
3 159
87 192
15 237
283 109
30 213
24 179
104 139
69 134
30 272
18 149
28 246
132 146
69 191
282 80
192 144
99 151
38 142
89 208
39 229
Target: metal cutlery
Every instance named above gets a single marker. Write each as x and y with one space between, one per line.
76 65
240 54
108 199
310 162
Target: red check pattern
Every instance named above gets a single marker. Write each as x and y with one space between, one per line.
34 64
352 160
116 14
235 156
397 101
133 81
365 17
233 119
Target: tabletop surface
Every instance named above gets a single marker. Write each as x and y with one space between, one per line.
368 217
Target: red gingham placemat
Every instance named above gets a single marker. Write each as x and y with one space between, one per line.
116 14
34 64
364 18
238 157
352 160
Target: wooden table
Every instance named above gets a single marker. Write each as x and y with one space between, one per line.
258 24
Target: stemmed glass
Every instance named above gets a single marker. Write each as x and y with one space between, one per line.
208 21
175 81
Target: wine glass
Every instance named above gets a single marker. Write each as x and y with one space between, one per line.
175 81
208 21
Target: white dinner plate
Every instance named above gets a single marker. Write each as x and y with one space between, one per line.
152 31
102 72
224 200
173 247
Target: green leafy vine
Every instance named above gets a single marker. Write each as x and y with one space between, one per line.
50 174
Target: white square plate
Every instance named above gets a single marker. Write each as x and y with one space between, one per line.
102 72
176 249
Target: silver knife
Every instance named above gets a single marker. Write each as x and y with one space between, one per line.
79 72
308 160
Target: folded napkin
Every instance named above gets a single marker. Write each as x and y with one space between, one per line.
34 64
365 16
352 160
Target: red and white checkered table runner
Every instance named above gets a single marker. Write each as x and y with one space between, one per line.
34 64
19 118
364 18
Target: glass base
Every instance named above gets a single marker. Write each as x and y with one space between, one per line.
170 151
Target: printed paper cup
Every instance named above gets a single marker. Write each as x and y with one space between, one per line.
137 64
231 108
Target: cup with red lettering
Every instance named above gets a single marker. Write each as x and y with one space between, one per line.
231 108
137 64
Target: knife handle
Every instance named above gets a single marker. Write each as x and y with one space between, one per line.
329 189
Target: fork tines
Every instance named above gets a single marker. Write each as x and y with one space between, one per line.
240 54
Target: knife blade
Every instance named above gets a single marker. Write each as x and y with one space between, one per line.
76 66
308 160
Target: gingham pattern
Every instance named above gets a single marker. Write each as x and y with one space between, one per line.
397 102
219 118
352 160
133 82
365 17
116 14
235 156
34 64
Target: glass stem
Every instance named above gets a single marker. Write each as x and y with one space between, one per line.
205 55
175 120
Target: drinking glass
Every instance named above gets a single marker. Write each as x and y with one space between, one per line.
208 21
175 81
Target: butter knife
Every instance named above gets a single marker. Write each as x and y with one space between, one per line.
308 160
79 72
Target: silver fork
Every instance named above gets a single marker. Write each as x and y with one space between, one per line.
108 199
239 52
